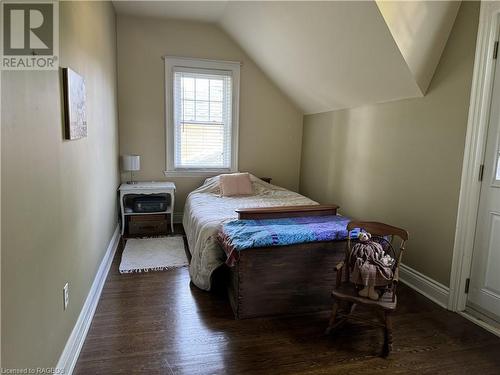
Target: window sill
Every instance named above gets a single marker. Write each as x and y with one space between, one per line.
196 173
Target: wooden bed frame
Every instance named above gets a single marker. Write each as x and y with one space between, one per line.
286 211
285 279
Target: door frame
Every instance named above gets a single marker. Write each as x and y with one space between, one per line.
475 145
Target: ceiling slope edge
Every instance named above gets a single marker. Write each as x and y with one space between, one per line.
420 30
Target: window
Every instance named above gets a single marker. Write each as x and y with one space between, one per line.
202 115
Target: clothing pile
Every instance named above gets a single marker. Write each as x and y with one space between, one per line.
370 266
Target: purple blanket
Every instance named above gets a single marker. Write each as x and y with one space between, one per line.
239 235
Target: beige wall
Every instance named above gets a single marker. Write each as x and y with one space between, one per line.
59 197
401 162
270 126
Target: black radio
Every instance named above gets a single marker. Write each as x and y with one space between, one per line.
153 203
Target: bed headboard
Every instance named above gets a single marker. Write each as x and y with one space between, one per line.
286 211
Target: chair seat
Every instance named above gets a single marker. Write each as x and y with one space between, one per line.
348 292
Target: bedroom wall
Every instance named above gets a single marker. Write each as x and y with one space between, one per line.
401 162
270 125
58 197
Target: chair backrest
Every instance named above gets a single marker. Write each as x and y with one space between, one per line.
381 230
378 229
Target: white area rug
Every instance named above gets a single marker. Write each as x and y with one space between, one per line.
153 254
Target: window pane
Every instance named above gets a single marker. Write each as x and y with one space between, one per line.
202 120
216 90
202 111
202 145
202 89
216 111
188 111
188 88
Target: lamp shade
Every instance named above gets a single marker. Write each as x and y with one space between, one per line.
131 163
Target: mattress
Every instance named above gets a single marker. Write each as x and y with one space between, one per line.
205 212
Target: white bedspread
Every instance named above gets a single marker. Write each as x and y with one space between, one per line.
205 211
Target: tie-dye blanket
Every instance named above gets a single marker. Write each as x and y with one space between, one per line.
238 235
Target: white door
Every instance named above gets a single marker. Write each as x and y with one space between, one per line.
484 285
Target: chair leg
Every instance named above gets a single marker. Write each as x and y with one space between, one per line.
387 334
352 307
333 317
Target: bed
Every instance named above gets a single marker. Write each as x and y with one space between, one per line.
263 280
205 211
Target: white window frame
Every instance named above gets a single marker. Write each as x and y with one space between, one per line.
174 61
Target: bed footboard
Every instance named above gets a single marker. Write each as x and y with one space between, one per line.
286 211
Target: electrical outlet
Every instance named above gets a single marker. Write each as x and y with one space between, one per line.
65 296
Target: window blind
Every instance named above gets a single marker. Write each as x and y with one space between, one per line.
202 118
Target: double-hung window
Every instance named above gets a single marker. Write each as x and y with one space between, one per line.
202 115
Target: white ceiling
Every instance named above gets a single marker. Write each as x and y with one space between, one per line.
205 11
324 55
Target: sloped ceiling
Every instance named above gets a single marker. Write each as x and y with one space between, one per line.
324 55
421 30
204 11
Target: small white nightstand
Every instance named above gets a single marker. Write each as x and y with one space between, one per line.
147 188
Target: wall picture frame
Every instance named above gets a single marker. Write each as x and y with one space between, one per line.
75 107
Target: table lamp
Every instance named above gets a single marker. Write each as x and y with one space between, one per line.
131 163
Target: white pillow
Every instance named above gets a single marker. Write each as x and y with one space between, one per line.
235 184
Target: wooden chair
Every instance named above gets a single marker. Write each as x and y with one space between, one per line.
346 293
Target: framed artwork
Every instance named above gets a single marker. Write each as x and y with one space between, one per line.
75 109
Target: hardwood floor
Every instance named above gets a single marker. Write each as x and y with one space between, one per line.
159 323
